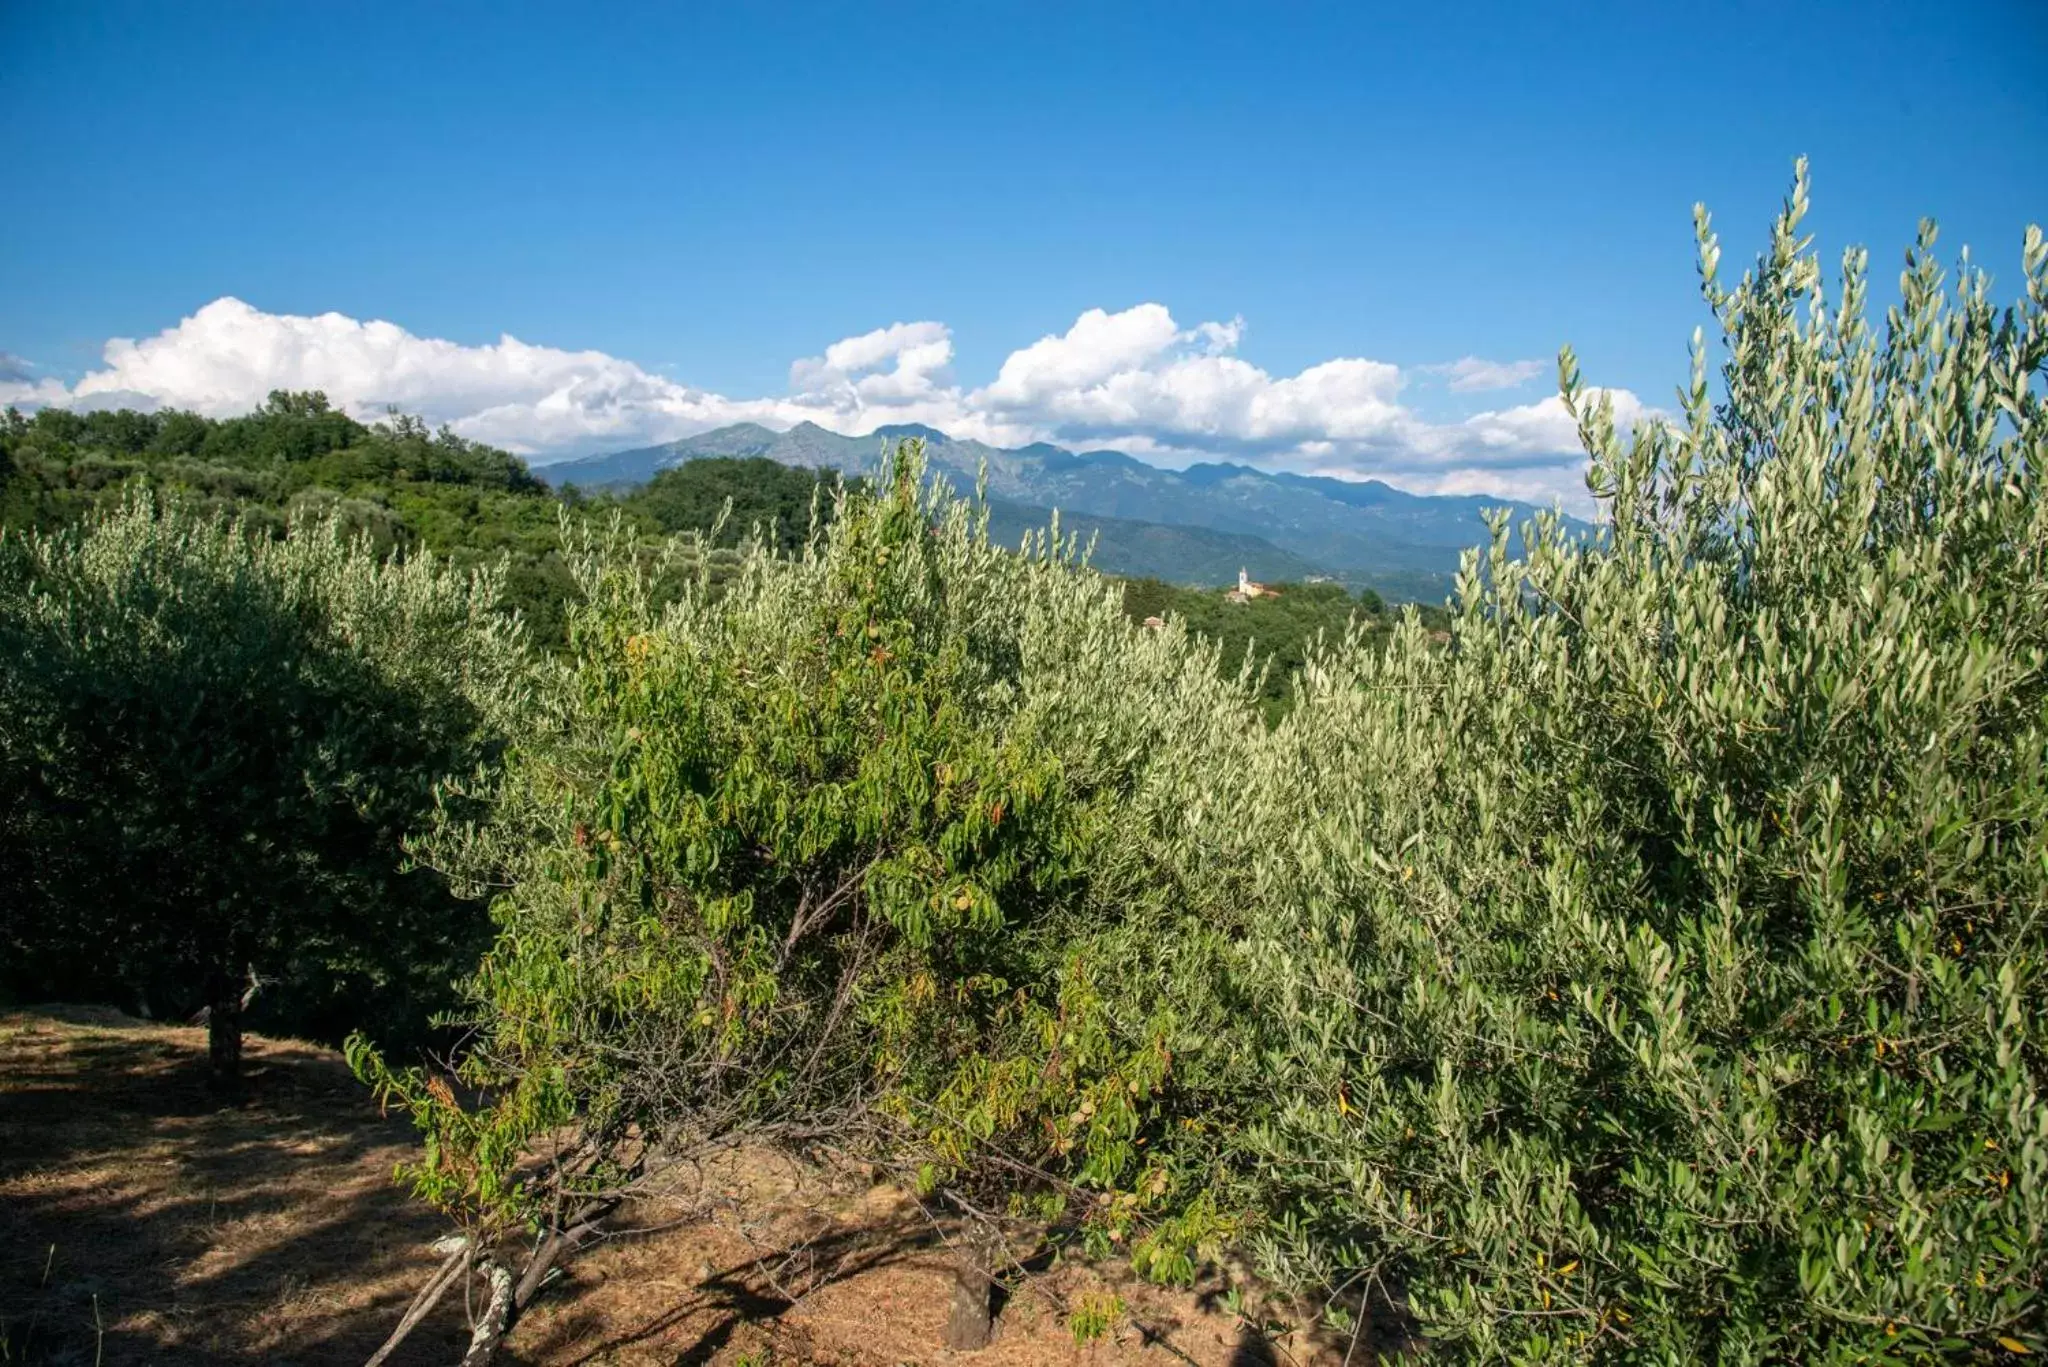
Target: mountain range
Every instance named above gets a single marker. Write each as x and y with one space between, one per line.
1191 526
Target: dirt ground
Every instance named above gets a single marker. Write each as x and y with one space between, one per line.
143 1222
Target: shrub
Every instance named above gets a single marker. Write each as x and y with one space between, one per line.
839 857
1656 972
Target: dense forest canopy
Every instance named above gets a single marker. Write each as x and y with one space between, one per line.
398 483
742 493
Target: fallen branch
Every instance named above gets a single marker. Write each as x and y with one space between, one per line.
429 1296
586 1223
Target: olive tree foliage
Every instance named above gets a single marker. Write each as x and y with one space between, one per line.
871 849
212 743
1656 972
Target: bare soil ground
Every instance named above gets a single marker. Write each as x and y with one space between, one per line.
141 1221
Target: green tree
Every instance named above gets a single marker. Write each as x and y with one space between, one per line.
211 746
12 426
739 495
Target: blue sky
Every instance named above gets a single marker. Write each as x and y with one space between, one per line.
707 195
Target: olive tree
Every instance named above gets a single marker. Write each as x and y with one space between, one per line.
1656 970
211 746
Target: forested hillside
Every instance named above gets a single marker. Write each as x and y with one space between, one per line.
405 487
745 493
398 483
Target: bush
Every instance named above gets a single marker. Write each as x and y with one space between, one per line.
1656 973
837 857
211 746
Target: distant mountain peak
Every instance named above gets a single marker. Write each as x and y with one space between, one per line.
903 431
732 432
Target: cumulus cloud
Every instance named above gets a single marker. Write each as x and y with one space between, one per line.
1135 378
226 357
851 374
1545 425
1099 347
1138 375
1471 375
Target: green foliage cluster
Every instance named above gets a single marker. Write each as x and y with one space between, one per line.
401 485
737 496
1649 971
835 857
1657 971
211 742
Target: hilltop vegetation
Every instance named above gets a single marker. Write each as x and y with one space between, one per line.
408 489
736 496
1642 967
398 484
1276 633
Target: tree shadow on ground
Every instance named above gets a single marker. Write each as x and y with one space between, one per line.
143 1220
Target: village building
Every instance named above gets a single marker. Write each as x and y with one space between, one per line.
1246 590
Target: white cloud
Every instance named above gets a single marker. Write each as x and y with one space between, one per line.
1136 379
1137 376
1471 375
1098 348
849 374
1545 425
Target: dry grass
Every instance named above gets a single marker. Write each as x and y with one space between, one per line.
143 1222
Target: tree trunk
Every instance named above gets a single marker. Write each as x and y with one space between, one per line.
496 1321
224 1033
972 1322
